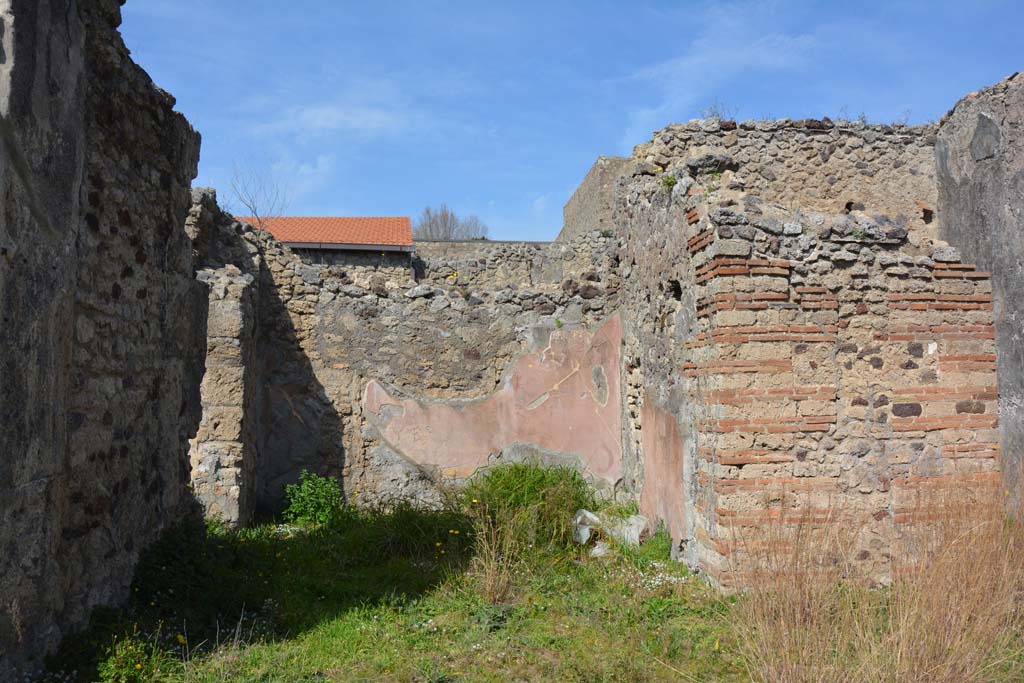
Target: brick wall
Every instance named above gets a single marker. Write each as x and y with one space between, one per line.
812 361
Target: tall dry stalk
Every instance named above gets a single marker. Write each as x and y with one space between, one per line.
794 621
951 614
497 550
953 610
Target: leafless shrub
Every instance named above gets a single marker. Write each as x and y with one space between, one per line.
259 195
719 110
444 224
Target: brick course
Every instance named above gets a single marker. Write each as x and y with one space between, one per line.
819 361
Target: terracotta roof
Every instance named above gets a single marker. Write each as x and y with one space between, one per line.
372 230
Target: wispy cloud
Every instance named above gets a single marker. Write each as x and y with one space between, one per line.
335 117
540 204
737 39
301 178
358 110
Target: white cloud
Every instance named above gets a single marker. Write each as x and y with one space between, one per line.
301 178
359 109
736 39
540 204
354 119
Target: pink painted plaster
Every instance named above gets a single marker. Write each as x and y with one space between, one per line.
663 497
564 398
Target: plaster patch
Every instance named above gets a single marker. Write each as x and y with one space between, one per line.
663 498
543 400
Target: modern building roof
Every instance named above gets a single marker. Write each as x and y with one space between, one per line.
327 232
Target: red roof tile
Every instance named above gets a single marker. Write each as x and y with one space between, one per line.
372 230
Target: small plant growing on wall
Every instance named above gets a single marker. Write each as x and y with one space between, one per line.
716 181
668 182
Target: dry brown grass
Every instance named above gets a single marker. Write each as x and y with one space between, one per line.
951 614
497 552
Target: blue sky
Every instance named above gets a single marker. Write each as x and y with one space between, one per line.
383 107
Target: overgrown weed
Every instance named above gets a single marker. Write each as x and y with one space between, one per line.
951 614
534 502
487 589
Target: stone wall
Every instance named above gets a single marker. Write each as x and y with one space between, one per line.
362 266
769 331
355 381
786 362
558 403
591 207
225 450
772 329
488 264
102 320
810 164
980 160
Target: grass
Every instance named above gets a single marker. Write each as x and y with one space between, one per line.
401 594
536 503
491 589
952 613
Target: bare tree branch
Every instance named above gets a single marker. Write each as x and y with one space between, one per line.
261 196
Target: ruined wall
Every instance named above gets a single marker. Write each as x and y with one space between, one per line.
771 331
515 355
810 164
492 265
980 160
559 403
810 361
102 322
362 266
592 206
225 451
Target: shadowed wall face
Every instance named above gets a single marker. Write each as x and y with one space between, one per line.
101 337
980 161
592 205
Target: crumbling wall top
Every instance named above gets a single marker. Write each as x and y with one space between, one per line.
810 164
